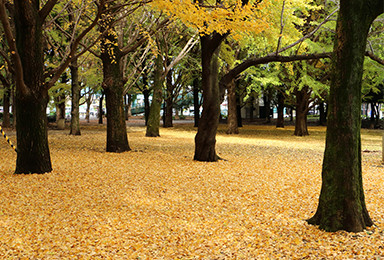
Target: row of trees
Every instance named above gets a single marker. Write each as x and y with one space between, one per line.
141 43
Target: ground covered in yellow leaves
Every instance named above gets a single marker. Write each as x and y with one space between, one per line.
155 202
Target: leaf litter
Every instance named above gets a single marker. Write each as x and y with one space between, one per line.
155 202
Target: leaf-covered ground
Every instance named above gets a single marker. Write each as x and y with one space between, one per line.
155 202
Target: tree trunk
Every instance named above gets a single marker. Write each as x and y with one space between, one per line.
75 98
101 108
32 98
267 105
196 102
153 124
238 109
113 85
232 109
342 203
323 115
205 139
280 110
6 104
146 93
302 107
168 113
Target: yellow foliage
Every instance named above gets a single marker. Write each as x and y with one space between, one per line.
155 202
229 16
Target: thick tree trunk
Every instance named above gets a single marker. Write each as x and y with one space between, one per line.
153 124
205 139
302 107
32 98
342 203
196 102
168 122
232 109
75 98
113 85
280 110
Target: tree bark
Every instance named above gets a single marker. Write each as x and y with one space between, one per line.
280 110
101 108
341 202
146 93
302 108
6 105
196 102
232 109
153 124
168 120
75 98
323 114
205 139
113 85
31 95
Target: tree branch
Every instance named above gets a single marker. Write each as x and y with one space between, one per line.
71 56
18 67
47 8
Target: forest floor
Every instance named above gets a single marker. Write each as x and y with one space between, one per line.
155 202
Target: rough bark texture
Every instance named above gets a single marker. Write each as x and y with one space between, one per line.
232 109
302 108
153 124
341 203
113 85
32 98
280 110
205 139
75 98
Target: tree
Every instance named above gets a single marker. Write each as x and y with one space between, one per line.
32 84
214 21
341 202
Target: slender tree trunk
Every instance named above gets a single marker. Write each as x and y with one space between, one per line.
153 124
205 139
113 85
280 110
88 109
6 104
101 108
302 103
323 115
196 102
146 93
169 102
238 108
342 203
232 109
33 154
267 105
75 98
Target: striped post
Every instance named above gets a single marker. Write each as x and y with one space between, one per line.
6 138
